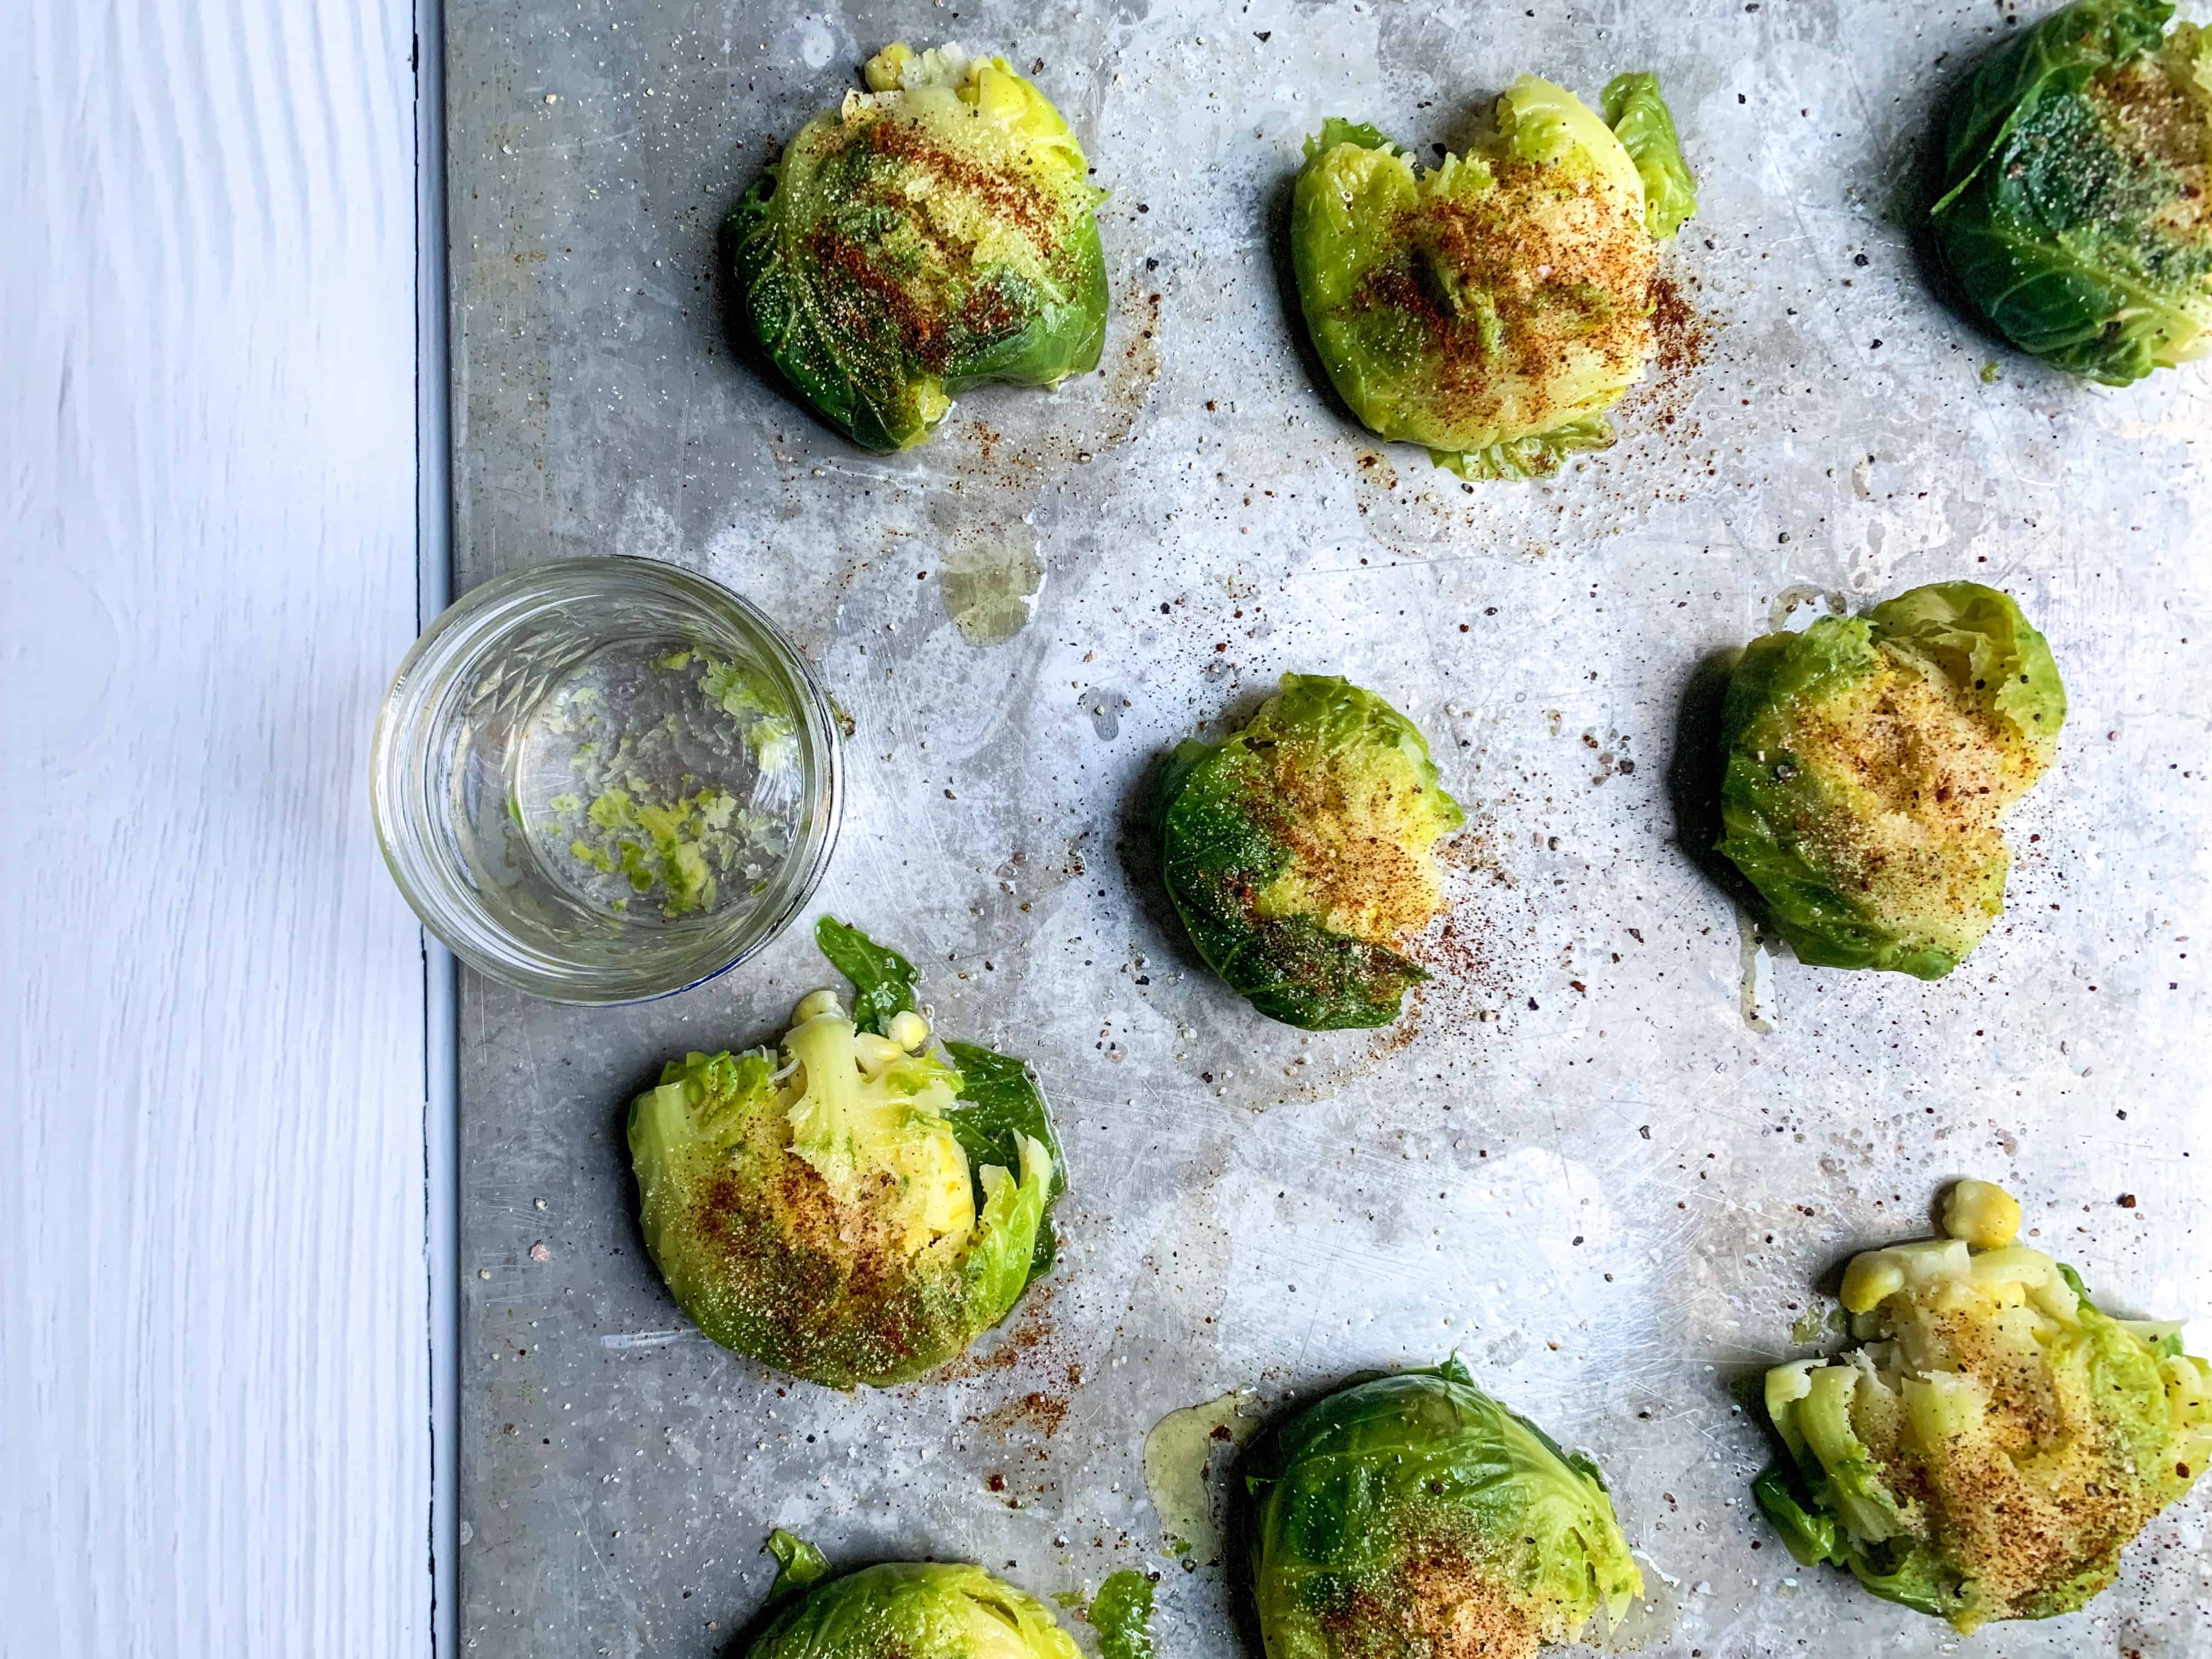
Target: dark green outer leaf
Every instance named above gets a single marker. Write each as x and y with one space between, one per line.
2057 242
1000 1102
2040 284
1121 1613
799 1566
1903 1571
883 980
2039 296
772 298
1809 1535
1065 336
1908 1573
2057 56
1290 969
1369 1447
1187 757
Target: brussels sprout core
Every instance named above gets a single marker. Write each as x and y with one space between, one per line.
859 1212
1995 1443
933 233
1870 762
1412 1515
2076 212
1493 307
1298 852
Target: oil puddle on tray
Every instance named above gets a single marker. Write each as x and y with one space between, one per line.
991 583
1183 1464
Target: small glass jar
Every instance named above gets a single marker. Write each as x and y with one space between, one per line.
605 780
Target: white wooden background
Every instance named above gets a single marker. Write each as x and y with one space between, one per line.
215 1294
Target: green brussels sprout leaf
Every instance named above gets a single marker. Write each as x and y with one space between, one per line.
1121 1613
2072 211
1000 1106
914 1610
937 233
1407 1511
1810 1538
2055 58
1995 1443
1298 852
883 980
1869 762
799 1566
860 1212
1645 126
1492 308
1335 130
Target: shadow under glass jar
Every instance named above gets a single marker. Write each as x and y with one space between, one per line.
605 780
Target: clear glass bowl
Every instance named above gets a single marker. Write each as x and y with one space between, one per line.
605 780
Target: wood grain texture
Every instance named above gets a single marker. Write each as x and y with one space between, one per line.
213 1311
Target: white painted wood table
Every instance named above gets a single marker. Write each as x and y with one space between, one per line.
222 1210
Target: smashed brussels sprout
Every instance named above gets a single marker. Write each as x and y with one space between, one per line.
938 232
2076 205
901 1610
1412 1516
1297 853
1870 762
1995 1442
1494 306
861 1211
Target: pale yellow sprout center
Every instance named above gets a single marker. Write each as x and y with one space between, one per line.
1983 1213
816 1002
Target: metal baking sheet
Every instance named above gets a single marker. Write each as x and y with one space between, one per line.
1605 1160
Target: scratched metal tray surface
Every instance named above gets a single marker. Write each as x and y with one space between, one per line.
1614 1150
